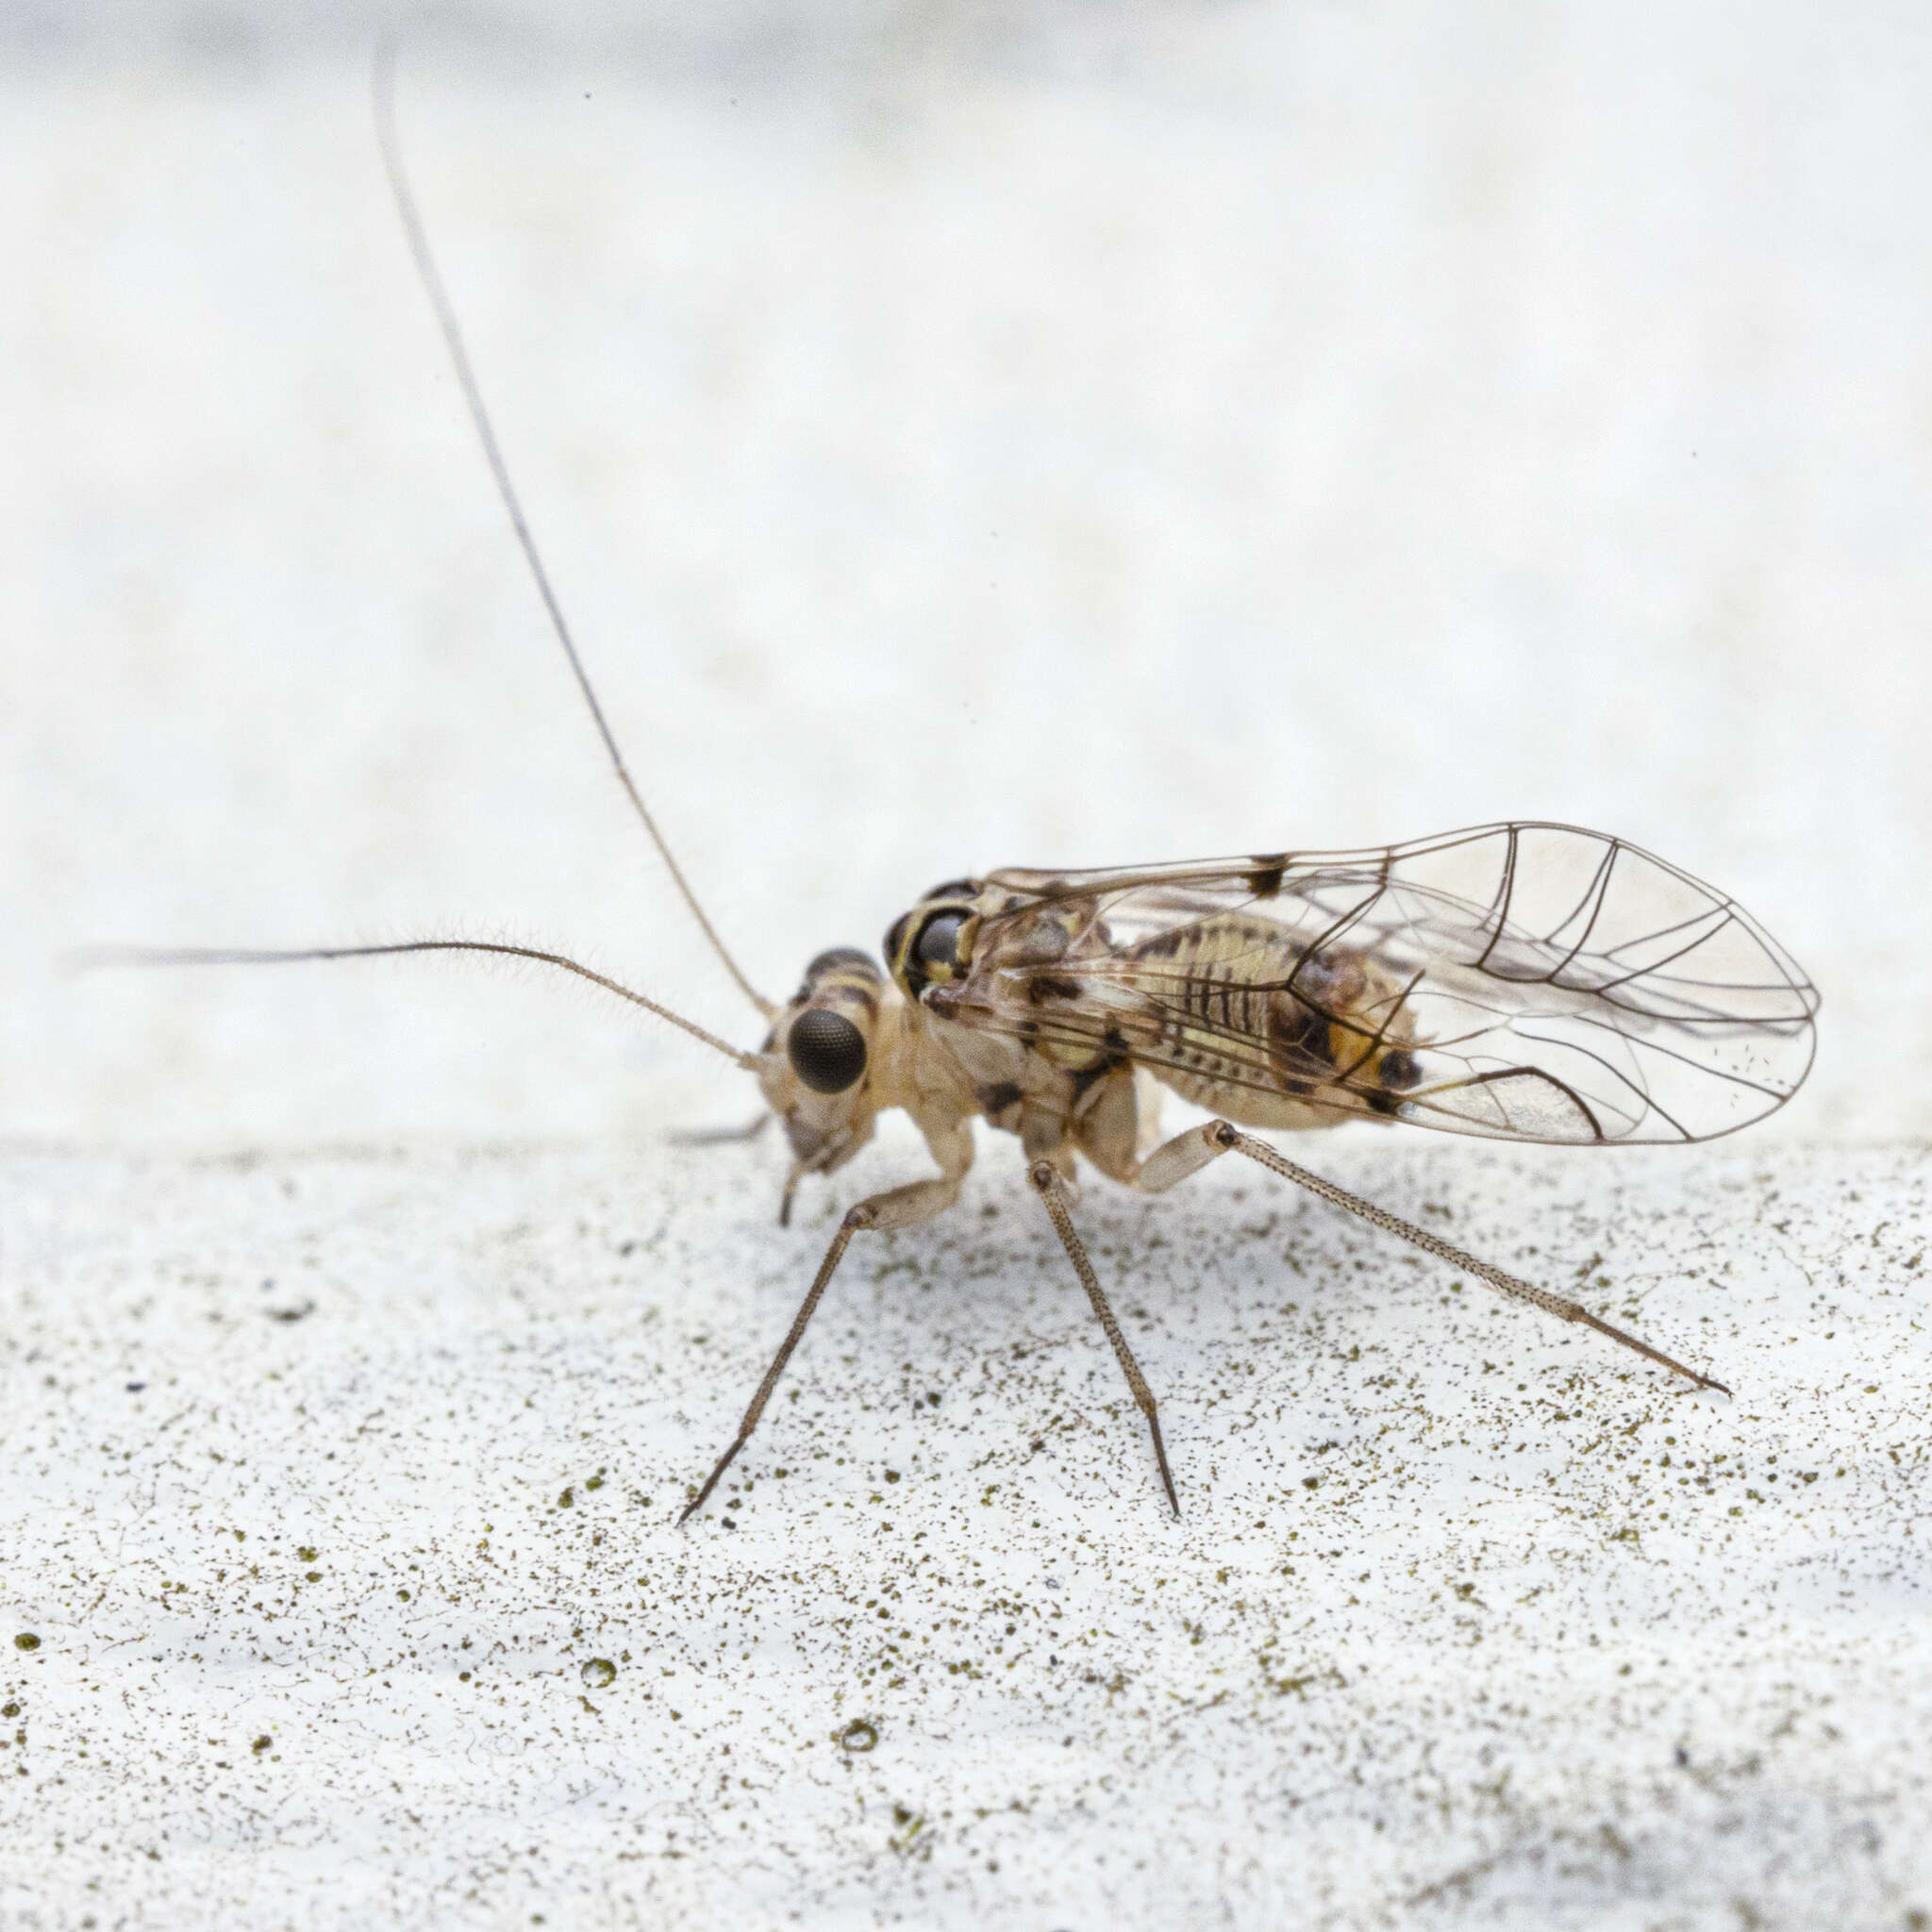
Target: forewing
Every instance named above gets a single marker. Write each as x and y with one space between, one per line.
1553 984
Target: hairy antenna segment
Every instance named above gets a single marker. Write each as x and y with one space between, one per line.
98 956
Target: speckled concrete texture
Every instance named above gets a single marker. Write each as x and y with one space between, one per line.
342 1497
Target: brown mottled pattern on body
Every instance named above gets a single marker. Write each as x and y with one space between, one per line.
1241 998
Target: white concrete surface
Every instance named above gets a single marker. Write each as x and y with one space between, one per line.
1467 1620
961 439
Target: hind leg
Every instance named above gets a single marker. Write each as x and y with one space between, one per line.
1188 1153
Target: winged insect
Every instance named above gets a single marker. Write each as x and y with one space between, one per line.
1523 982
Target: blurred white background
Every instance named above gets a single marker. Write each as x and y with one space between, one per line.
962 435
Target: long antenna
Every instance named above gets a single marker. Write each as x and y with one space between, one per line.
479 416
242 955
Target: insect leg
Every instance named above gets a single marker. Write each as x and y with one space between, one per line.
717 1137
1188 1153
1052 1192
902 1207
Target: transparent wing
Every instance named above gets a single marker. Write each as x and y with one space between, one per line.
1543 983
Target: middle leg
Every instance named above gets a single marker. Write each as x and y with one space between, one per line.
1052 1194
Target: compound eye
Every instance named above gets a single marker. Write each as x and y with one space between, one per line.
938 942
826 1051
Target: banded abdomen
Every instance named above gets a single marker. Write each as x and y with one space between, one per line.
1265 1031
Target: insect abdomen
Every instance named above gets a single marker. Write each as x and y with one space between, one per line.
1271 1034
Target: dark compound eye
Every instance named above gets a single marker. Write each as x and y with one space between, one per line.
939 939
826 1051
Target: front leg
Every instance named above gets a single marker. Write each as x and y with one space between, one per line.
903 1207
